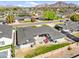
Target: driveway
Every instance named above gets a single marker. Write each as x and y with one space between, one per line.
74 38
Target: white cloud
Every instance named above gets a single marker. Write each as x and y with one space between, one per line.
28 4
20 5
32 3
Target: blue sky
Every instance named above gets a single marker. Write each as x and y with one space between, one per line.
30 3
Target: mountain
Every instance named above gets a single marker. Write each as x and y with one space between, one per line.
72 5
58 4
43 5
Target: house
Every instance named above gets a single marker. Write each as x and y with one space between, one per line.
26 35
70 26
25 18
77 11
5 41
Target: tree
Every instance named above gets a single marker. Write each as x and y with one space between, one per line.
10 18
75 17
33 17
49 15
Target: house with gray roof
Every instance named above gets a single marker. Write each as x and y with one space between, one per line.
24 18
26 35
70 25
5 31
5 41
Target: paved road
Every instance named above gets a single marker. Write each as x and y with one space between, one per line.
76 39
33 23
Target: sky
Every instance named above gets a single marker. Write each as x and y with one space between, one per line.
30 3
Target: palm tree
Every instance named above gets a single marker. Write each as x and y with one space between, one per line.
10 18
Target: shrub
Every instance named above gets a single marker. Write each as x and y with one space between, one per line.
75 17
13 50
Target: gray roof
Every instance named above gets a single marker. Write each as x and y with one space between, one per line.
5 31
28 33
24 34
22 18
70 25
48 30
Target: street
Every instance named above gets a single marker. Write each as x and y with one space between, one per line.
34 23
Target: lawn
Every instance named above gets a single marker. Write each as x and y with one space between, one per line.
5 47
76 34
44 49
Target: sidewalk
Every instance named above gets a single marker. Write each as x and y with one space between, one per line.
61 53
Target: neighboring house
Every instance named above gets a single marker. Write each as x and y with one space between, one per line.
60 15
2 20
69 11
39 13
5 41
25 18
26 35
77 11
70 26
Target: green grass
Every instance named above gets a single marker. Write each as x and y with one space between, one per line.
44 49
12 50
76 34
34 26
5 47
45 25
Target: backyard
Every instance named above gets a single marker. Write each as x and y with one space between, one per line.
44 49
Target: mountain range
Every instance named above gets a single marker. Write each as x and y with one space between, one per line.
58 4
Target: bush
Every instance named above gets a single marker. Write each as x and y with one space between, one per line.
5 47
13 50
75 17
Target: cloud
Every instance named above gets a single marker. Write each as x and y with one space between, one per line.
20 5
32 3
